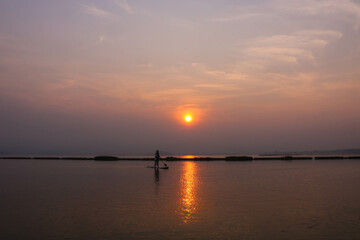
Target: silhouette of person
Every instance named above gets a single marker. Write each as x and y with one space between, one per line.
157 158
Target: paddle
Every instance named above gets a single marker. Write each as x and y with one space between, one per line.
164 163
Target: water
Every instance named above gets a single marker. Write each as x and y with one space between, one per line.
57 199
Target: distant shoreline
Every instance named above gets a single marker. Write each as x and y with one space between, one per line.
194 158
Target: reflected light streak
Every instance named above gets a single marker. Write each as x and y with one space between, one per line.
188 197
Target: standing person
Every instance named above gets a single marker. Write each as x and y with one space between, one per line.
157 158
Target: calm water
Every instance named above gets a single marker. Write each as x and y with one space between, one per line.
192 200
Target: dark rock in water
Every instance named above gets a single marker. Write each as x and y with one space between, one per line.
288 158
204 159
106 158
238 158
353 157
172 159
328 157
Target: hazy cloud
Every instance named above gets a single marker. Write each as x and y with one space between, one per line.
94 11
291 48
124 5
233 18
322 7
101 39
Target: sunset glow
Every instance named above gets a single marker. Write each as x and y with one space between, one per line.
205 77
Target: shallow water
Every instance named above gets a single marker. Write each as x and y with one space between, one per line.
54 199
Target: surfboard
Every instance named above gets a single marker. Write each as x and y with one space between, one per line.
158 167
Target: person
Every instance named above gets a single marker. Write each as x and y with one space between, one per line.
157 158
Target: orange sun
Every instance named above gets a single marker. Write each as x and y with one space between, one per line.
188 118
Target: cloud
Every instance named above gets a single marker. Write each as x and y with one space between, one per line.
324 7
291 48
208 85
124 5
233 18
101 39
313 7
145 65
94 11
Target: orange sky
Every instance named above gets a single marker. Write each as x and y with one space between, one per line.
119 76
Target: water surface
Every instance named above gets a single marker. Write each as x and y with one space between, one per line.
55 199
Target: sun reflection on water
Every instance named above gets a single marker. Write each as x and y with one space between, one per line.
188 196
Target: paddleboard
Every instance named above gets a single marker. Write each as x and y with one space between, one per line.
158 167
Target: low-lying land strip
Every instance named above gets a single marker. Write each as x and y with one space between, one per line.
228 158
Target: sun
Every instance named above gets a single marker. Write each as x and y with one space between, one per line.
188 118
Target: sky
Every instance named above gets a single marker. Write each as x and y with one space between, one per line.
118 77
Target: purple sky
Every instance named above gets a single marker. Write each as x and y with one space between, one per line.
119 76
